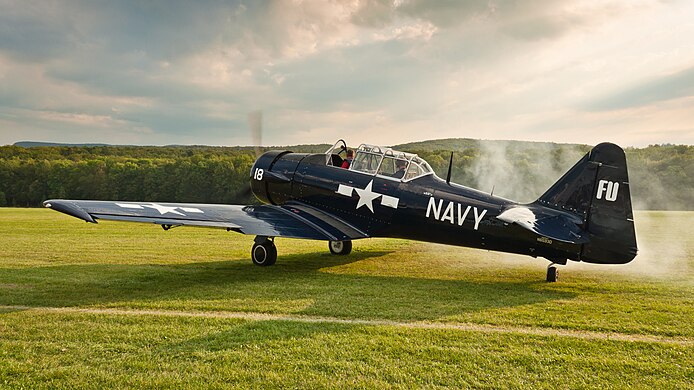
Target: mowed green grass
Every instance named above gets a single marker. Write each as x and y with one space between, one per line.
51 260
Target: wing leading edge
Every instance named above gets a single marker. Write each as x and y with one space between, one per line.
292 220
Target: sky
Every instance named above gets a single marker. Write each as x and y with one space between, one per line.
380 72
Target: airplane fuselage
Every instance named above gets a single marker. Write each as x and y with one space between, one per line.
425 208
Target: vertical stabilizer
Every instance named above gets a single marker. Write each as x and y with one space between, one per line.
597 189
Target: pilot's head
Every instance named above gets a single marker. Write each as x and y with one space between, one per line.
401 164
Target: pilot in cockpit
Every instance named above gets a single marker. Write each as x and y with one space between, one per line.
348 159
400 173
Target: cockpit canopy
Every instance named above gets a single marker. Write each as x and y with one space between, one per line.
376 160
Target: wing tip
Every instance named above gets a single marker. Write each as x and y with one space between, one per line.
69 208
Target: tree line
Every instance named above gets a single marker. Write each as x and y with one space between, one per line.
193 175
661 176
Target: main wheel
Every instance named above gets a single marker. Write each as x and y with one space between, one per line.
552 274
264 254
340 247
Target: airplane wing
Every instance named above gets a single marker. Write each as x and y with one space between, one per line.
291 220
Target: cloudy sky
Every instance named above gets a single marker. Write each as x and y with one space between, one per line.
169 72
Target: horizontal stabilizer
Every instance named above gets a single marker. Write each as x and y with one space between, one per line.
557 226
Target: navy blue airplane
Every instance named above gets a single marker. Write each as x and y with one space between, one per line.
585 216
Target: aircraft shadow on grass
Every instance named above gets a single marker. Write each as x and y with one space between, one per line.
239 286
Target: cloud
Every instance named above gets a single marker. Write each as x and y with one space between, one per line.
672 86
526 20
382 13
36 31
391 71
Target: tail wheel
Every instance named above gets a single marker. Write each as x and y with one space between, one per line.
552 274
264 254
340 247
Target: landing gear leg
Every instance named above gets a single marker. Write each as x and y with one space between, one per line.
552 273
264 252
340 247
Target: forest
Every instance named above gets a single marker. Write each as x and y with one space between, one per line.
661 176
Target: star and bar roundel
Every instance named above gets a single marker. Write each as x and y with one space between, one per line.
367 196
161 208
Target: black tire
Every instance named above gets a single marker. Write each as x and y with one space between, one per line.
340 248
264 254
552 274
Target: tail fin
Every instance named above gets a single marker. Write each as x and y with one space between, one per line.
597 189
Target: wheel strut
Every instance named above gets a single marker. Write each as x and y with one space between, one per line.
552 273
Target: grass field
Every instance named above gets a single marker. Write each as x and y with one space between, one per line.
129 305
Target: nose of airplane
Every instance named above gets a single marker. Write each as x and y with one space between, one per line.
268 175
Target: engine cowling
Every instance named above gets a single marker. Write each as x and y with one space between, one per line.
272 175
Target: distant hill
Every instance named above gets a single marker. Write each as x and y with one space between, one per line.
303 148
35 144
461 144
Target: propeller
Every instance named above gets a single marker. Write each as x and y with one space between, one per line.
255 125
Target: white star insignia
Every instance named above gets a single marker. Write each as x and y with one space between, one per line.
367 196
163 209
